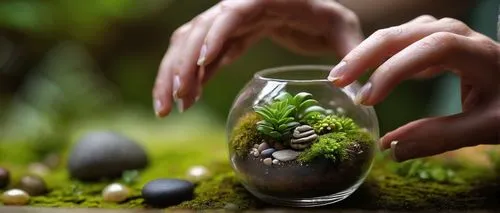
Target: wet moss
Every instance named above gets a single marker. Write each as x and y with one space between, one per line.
245 134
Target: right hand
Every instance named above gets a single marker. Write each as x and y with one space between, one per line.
221 34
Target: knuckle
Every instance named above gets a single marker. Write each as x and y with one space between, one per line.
388 33
427 17
179 33
455 25
200 20
440 40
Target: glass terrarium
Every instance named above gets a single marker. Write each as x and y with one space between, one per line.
297 140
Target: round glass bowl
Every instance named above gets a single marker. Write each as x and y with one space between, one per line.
297 140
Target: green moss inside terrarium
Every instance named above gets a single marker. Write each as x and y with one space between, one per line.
298 122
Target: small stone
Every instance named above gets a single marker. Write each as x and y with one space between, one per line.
231 207
286 155
256 153
276 161
256 146
167 192
115 192
263 146
4 178
267 153
268 161
15 197
105 155
196 174
38 169
33 185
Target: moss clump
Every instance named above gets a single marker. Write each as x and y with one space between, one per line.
332 146
245 133
218 192
325 124
336 146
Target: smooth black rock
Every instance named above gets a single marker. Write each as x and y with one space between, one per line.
267 153
100 155
167 192
4 178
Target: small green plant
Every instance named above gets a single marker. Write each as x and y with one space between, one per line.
306 108
278 121
331 123
427 170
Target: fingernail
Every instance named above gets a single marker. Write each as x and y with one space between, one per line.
157 106
393 150
198 95
176 86
203 53
363 94
180 105
337 72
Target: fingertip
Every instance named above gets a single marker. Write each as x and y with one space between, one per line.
161 109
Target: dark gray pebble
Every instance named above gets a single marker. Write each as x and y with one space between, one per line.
33 185
167 192
267 153
4 178
101 155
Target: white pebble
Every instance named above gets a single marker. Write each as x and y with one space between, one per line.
340 110
268 161
198 173
115 193
256 153
15 197
276 161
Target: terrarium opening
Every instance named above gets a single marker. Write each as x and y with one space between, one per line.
295 74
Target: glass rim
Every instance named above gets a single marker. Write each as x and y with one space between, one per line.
264 73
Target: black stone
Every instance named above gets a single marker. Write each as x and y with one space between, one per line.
267 153
4 178
33 185
100 155
167 192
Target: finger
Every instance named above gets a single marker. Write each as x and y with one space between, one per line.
162 91
231 51
232 15
431 136
423 19
384 43
187 69
453 52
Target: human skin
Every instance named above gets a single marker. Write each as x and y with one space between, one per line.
312 27
424 47
221 34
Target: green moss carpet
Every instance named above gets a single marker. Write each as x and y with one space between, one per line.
182 141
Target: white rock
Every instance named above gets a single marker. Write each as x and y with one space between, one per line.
15 197
286 155
115 192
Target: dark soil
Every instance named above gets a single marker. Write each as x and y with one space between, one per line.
292 179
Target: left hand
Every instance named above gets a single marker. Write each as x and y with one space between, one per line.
424 47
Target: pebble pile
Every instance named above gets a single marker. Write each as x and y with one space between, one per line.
273 156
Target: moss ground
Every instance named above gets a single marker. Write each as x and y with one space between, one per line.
175 146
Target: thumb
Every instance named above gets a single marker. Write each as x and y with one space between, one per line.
431 136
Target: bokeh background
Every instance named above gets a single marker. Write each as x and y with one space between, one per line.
66 62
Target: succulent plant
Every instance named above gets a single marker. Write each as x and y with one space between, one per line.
278 120
305 105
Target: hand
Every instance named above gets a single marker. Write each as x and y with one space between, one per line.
221 34
424 47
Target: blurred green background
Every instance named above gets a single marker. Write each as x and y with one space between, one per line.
62 61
